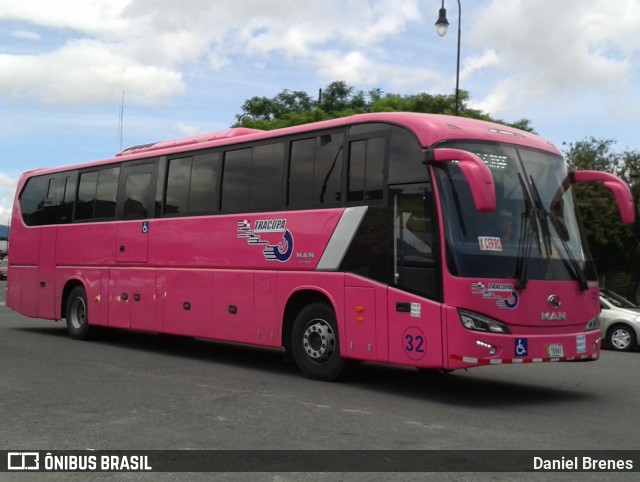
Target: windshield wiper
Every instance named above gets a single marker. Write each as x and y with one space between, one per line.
570 262
528 232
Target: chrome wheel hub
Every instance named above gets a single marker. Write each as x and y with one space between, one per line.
318 340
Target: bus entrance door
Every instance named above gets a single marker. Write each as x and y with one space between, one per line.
415 329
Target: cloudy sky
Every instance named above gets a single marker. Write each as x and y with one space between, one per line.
186 67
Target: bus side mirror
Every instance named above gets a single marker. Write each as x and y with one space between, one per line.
476 172
617 186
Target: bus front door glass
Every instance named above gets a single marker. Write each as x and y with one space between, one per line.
415 268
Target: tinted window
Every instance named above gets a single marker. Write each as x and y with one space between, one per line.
405 157
40 201
86 195
97 194
366 169
192 184
203 190
327 172
107 193
69 196
235 182
178 179
136 204
266 177
316 161
301 172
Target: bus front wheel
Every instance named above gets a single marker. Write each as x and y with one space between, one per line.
77 319
315 346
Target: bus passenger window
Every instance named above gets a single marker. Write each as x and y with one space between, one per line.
203 188
366 169
177 199
327 172
300 172
235 185
86 195
136 196
106 193
266 177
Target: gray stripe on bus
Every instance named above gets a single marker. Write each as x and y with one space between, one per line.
341 238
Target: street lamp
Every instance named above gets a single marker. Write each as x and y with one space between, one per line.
442 25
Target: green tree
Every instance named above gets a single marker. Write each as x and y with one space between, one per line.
338 99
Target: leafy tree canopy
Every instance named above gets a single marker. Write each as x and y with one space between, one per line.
338 99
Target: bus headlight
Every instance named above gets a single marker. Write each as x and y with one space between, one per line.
593 324
477 322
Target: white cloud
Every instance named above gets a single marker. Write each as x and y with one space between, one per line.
144 46
85 72
25 35
472 64
187 130
548 51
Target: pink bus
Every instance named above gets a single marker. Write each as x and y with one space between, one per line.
411 239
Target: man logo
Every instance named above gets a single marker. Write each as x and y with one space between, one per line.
554 300
559 316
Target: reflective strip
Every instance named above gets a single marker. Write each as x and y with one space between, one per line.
517 361
341 238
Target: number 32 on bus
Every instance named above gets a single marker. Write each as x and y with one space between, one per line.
411 239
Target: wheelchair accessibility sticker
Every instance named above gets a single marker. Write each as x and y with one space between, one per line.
521 347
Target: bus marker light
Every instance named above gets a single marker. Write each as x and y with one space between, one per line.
491 348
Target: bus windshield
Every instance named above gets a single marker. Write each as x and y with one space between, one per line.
533 232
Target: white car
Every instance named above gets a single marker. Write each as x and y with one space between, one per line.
619 321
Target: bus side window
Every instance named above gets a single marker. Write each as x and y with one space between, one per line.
32 199
236 180
137 191
178 179
86 195
316 161
68 197
266 177
300 173
366 169
97 193
327 170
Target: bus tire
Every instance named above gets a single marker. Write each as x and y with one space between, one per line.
76 313
315 344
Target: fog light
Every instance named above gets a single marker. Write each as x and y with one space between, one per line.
491 348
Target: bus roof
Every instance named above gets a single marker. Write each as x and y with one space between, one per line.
429 129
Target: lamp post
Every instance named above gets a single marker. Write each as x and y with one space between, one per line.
442 25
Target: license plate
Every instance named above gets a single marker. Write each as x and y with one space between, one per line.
555 350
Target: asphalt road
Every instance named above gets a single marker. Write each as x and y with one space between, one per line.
139 391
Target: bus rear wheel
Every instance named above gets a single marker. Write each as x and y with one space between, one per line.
77 318
314 342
